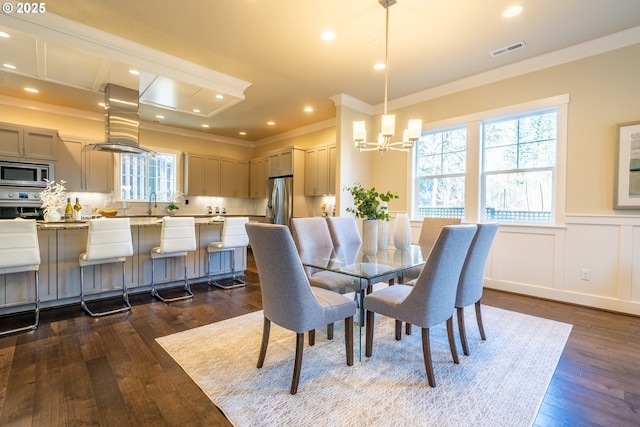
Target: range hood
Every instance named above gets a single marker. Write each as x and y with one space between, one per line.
122 122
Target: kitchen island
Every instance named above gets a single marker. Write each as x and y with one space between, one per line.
62 242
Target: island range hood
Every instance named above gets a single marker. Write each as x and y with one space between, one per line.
122 122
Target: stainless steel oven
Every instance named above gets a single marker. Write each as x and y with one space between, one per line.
25 174
20 202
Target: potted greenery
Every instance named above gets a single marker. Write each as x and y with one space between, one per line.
371 206
172 208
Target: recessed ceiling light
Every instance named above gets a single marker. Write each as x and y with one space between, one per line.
512 11
5 35
218 96
9 66
271 123
32 90
102 104
159 116
379 66
205 126
195 110
136 72
243 133
328 35
308 109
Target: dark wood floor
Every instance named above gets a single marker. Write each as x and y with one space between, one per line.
78 371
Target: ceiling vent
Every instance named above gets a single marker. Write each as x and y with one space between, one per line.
507 49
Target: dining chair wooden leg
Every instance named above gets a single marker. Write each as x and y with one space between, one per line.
297 364
398 330
368 347
407 328
479 318
312 337
452 340
265 341
426 354
348 339
330 331
462 330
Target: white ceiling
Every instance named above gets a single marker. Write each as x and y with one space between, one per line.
267 58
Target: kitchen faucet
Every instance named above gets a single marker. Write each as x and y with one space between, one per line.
152 195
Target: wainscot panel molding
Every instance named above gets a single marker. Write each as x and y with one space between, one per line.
592 260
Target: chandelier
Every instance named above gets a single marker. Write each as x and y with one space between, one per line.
384 143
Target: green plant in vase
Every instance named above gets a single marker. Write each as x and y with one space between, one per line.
368 203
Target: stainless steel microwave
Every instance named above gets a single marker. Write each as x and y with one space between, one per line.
25 174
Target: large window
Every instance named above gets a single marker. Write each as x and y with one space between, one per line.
519 159
142 175
440 172
503 165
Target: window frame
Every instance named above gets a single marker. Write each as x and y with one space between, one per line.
474 209
160 150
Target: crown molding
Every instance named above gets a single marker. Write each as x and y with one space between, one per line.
297 132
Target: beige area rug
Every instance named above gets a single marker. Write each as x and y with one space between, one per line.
502 382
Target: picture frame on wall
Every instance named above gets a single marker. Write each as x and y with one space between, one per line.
627 179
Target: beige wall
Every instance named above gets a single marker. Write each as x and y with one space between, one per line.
604 90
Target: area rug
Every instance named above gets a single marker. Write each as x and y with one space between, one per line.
501 383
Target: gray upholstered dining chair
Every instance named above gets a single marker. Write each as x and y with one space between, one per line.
288 299
431 301
312 233
428 235
344 231
471 280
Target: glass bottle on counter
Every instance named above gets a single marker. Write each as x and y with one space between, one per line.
77 210
68 211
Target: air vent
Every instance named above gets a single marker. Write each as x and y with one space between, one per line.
507 49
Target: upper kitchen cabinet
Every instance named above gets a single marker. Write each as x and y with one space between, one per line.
202 175
258 177
235 178
283 162
84 171
28 142
320 170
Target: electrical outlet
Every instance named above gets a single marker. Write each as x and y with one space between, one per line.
585 274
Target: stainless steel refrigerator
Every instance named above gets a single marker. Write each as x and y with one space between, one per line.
280 203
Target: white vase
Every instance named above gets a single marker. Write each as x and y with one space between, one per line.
402 231
52 215
370 236
383 234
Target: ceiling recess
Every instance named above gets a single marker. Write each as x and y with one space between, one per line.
507 49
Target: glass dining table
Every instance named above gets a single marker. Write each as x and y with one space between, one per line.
366 269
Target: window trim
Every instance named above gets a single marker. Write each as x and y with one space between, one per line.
473 189
161 150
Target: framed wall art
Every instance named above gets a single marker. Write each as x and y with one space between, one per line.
627 189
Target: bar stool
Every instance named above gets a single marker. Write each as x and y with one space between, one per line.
234 235
19 251
109 241
178 237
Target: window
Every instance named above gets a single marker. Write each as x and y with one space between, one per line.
519 159
505 165
440 173
141 175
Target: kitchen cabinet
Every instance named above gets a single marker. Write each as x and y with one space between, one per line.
202 175
281 163
28 142
235 178
258 177
90 171
320 164
318 171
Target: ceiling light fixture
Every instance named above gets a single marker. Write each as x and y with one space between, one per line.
271 123
308 109
134 72
512 11
4 35
218 96
9 66
32 90
328 35
384 143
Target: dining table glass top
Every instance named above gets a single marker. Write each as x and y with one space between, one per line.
352 261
